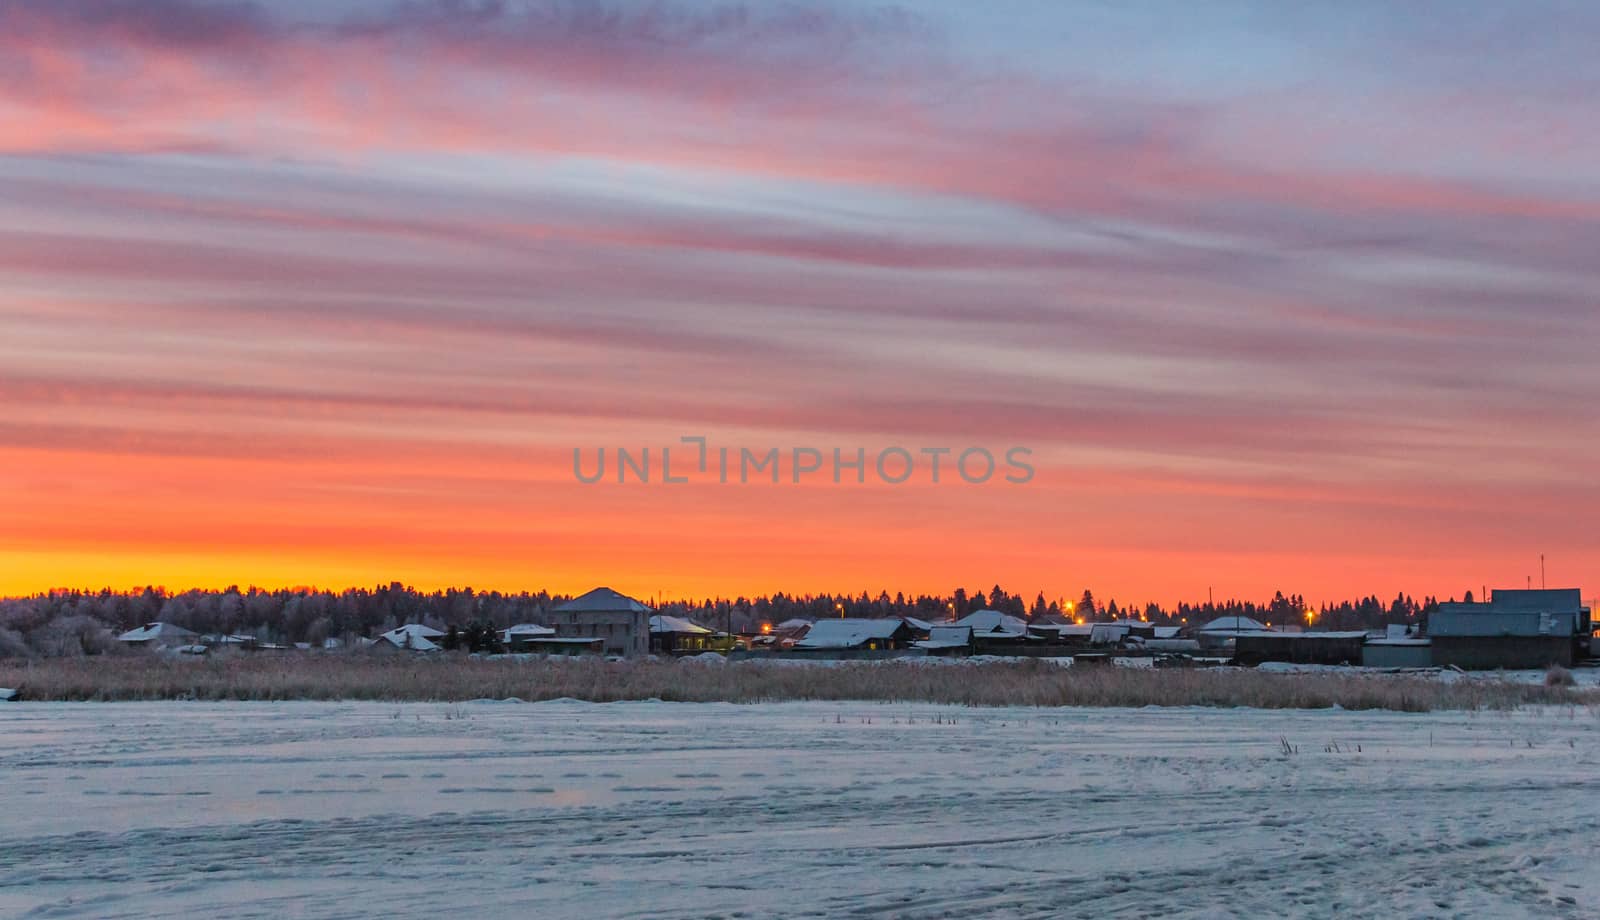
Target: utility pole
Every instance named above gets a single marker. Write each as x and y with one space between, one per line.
1542 583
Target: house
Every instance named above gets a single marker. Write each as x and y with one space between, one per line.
1514 629
671 635
1231 625
517 638
1103 634
622 622
790 631
858 634
531 638
1077 634
947 641
992 624
1143 629
783 635
1222 631
413 637
159 635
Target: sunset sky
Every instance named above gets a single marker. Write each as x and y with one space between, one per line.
328 293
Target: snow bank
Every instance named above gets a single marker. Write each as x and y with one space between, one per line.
824 809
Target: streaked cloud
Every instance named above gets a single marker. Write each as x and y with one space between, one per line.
1329 271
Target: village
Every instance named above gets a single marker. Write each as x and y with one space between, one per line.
1514 629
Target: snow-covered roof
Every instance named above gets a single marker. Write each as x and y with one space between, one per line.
415 643
413 636
602 600
1107 633
1232 624
947 637
918 625
525 630
152 631
848 632
994 623
660 623
793 623
415 629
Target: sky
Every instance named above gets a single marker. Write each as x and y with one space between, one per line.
1274 298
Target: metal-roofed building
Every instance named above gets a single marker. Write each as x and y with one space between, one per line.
1230 625
677 636
413 637
1223 632
853 633
947 640
159 635
989 624
622 622
1515 629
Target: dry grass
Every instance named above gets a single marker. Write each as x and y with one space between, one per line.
1558 676
1024 683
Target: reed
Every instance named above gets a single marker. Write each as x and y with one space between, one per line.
454 678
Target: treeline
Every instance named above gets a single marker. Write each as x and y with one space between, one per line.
62 623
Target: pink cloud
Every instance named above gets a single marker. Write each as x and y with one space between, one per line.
864 98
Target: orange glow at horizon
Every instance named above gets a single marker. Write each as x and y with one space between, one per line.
513 518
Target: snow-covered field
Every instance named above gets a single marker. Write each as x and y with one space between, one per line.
791 810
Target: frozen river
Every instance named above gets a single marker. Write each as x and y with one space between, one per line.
791 810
